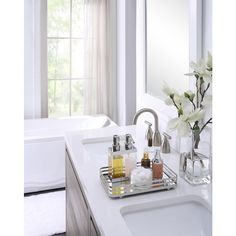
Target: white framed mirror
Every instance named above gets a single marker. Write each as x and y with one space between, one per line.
156 63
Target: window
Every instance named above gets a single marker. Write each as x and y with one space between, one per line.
65 57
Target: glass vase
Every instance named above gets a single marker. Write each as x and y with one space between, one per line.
195 157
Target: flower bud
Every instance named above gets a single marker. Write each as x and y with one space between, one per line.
186 95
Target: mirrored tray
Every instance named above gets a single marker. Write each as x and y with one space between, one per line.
124 188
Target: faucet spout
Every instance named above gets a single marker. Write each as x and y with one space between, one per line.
157 135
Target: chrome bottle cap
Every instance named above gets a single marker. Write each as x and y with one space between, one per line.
116 143
128 142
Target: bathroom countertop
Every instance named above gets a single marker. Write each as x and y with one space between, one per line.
105 210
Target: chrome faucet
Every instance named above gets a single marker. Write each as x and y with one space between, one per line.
157 135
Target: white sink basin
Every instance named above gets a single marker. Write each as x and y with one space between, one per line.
97 146
184 216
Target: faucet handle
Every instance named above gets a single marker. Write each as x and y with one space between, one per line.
148 123
166 135
149 133
166 145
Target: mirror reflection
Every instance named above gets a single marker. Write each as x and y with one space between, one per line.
167 45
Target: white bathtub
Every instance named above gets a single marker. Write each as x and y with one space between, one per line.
44 149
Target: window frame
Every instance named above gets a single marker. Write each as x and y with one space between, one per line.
42 58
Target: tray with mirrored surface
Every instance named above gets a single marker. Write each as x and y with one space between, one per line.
124 188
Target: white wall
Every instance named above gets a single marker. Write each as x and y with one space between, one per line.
126 61
28 60
121 60
130 60
34 97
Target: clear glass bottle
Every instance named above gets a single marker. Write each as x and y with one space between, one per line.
115 160
157 165
130 155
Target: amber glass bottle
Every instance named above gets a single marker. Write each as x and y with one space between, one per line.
145 162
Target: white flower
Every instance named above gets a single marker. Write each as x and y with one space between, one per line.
171 93
180 99
195 115
182 123
192 106
207 76
189 94
167 90
201 69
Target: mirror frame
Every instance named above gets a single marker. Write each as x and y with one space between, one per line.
195 52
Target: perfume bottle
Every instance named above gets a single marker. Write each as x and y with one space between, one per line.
145 162
115 159
130 155
157 165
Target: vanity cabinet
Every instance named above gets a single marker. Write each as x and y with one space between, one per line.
93 231
79 219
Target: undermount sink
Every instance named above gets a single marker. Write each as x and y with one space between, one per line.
183 216
97 146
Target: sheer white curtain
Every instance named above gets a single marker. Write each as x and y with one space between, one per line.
98 92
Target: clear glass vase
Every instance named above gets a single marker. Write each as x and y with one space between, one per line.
195 158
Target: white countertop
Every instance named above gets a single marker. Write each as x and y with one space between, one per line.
105 210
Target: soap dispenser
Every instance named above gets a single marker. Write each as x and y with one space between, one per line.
157 165
115 159
130 155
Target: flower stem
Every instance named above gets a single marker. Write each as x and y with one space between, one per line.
203 94
197 92
174 103
194 106
196 134
208 122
